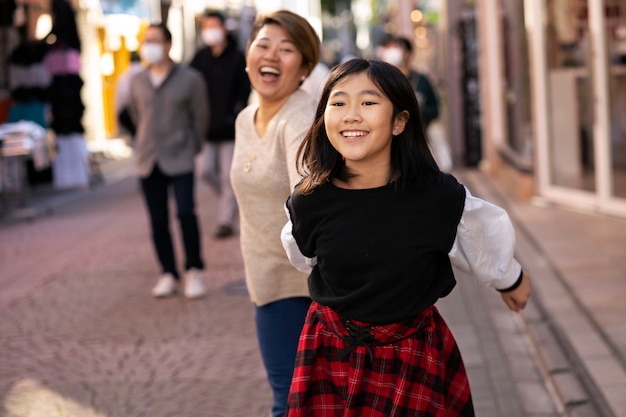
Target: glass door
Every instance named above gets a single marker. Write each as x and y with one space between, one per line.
578 60
570 95
615 28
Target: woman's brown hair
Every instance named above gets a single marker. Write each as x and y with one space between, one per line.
300 32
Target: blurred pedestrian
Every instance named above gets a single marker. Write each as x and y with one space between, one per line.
282 50
169 107
398 51
122 96
223 67
379 227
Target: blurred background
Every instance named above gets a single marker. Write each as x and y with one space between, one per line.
533 92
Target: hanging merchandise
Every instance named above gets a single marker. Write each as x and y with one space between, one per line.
21 141
8 40
29 83
70 167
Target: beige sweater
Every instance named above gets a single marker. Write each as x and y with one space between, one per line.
263 174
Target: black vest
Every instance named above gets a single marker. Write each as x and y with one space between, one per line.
382 254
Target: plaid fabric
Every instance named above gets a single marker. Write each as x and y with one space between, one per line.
350 369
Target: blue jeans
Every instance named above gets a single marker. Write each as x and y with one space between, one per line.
155 189
278 327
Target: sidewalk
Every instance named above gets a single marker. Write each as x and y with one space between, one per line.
578 265
78 332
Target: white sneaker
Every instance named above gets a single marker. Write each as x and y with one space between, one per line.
194 284
165 286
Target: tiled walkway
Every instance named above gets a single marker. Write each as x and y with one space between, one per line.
81 336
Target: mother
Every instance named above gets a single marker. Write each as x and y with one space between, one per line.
282 51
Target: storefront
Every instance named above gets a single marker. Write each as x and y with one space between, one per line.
113 30
554 99
580 77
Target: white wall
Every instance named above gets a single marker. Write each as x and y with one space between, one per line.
310 9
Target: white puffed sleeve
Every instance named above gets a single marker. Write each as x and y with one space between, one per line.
485 244
297 259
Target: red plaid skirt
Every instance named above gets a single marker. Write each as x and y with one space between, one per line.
346 368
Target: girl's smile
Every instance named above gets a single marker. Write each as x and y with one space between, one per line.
360 124
352 135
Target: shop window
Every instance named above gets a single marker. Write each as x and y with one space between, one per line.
517 84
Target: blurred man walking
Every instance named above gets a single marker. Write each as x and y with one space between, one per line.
169 105
223 67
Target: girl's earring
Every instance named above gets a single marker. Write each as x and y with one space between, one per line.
395 131
247 69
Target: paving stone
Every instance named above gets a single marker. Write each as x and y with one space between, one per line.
81 336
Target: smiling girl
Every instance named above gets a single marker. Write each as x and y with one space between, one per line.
379 227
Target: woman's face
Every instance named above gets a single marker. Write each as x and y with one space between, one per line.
359 122
274 64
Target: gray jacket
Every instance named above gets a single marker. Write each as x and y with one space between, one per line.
171 120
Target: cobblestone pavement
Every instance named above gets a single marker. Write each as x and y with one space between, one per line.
81 336
578 263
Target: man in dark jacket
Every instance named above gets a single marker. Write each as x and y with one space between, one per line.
222 65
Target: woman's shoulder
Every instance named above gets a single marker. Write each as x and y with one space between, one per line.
296 116
246 116
299 106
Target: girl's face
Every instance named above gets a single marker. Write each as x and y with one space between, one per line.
359 122
274 64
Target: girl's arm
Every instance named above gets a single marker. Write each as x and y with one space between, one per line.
484 248
297 259
517 298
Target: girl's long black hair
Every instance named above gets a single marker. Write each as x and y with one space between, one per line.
411 159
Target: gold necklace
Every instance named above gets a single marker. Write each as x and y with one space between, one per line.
248 165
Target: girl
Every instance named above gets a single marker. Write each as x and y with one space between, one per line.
379 226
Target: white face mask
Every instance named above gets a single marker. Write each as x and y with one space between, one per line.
393 56
152 53
212 36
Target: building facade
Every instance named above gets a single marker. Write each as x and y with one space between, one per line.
552 80
532 91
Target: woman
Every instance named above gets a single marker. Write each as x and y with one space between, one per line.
282 51
382 227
